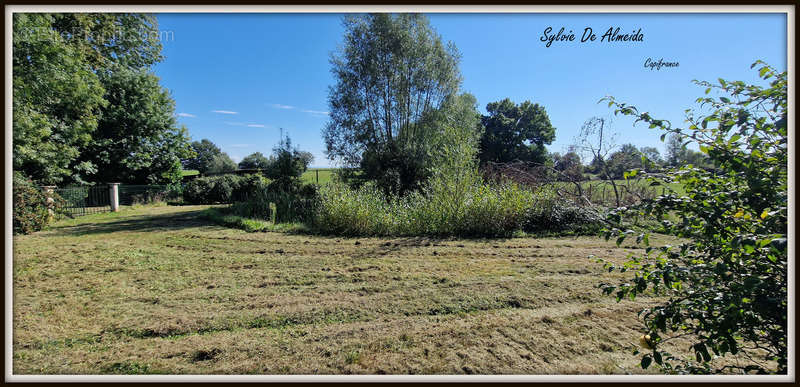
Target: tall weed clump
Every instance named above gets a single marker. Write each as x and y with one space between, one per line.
279 204
440 210
343 210
551 213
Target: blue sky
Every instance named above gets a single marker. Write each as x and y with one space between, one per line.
272 70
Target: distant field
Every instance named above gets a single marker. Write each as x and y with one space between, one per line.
313 174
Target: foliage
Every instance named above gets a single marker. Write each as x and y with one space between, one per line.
727 284
448 145
678 154
208 158
30 206
569 166
57 100
652 158
480 210
60 65
550 213
221 163
515 132
288 164
279 206
392 73
137 140
626 158
222 189
255 161
203 152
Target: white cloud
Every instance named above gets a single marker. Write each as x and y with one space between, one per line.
249 125
186 115
224 112
279 106
316 112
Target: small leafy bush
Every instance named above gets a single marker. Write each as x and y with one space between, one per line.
30 205
222 188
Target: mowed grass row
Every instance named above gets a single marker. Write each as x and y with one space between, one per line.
161 290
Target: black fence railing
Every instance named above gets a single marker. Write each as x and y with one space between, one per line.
79 201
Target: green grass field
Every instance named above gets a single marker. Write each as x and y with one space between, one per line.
318 175
161 289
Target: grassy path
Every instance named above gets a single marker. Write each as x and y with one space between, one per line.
161 290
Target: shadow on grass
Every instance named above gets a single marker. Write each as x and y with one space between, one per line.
137 223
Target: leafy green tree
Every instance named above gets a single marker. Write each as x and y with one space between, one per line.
137 139
255 161
392 73
288 165
112 40
626 158
61 65
307 157
515 132
652 157
57 99
208 158
678 154
568 165
221 163
726 285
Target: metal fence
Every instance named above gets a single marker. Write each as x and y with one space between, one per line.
79 201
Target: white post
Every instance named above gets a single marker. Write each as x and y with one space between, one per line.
48 191
113 194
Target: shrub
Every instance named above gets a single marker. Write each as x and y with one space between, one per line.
222 189
726 286
174 191
30 206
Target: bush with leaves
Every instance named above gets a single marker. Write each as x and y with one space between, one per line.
222 189
31 206
726 285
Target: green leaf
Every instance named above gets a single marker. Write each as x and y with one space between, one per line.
646 362
657 357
